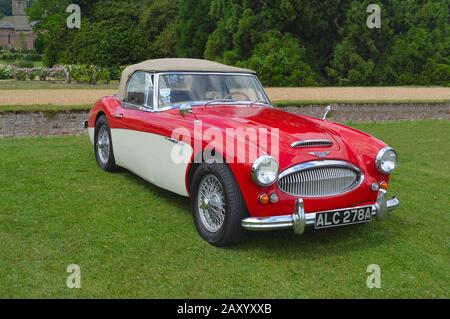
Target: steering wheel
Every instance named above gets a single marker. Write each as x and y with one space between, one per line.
231 95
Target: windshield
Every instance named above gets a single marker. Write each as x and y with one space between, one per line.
177 89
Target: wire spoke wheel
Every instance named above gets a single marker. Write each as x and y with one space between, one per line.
211 203
103 144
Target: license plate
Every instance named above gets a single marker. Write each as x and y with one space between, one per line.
343 217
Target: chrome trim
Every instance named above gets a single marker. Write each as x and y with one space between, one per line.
173 140
383 205
156 85
328 109
324 163
380 156
255 167
300 220
312 143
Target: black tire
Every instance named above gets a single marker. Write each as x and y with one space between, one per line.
106 163
231 231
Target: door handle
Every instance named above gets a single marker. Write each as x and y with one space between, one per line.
118 116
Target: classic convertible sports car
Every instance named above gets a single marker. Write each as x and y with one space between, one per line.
295 171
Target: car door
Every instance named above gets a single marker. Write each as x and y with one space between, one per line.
142 142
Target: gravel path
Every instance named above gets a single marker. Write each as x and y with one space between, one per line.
75 97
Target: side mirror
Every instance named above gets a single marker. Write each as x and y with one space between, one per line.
185 109
328 111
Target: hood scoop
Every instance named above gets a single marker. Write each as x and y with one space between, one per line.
312 143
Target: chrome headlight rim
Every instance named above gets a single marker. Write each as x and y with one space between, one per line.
380 155
257 165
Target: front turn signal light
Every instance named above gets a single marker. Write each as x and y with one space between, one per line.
264 199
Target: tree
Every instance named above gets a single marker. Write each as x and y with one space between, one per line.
51 18
412 46
279 60
193 27
159 26
5 8
110 35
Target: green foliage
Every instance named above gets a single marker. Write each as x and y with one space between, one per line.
32 74
289 42
21 76
158 23
43 74
24 64
89 74
412 46
5 74
111 37
280 61
193 27
5 8
32 57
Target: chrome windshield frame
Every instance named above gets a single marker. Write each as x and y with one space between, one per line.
157 108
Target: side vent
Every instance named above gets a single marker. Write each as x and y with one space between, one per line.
312 143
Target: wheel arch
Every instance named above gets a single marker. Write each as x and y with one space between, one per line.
196 161
99 114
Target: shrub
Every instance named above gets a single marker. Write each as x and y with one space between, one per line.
58 75
115 73
5 74
21 76
32 74
43 74
280 60
25 64
84 73
32 57
104 75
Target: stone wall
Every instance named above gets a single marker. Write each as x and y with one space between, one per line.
42 124
374 113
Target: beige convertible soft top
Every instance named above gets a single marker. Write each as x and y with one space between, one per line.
169 65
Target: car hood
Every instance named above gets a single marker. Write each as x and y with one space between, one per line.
348 144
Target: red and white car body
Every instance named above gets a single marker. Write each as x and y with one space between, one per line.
323 166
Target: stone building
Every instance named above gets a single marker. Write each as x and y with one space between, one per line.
16 31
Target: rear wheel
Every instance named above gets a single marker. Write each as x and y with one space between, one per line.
218 206
103 145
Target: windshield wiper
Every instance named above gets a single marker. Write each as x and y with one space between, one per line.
261 102
219 101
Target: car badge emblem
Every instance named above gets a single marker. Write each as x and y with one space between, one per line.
320 154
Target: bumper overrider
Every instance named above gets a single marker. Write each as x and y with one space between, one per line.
299 219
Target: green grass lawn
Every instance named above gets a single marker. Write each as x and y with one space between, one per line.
132 239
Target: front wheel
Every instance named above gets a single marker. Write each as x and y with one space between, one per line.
218 206
104 153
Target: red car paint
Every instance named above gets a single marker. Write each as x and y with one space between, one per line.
350 145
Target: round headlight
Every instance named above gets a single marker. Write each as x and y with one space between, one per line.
386 160
265 170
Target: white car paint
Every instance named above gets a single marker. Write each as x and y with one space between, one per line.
149 156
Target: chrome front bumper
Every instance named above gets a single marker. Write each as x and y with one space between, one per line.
299 220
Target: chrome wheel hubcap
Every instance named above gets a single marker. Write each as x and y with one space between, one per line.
211 203
103 145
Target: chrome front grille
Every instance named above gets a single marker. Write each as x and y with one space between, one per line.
320 178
